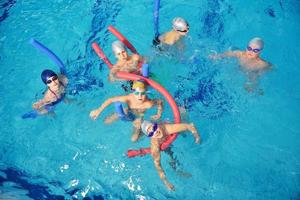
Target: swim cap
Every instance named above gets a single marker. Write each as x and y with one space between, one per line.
179 24
118 47
258 42
139 84
145 126
47 73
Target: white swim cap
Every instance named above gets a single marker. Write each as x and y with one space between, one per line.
258 42
145 126
118 47
180 24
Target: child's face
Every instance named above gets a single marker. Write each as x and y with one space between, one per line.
140 94
52 81
122 55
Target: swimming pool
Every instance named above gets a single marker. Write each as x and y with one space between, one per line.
250 142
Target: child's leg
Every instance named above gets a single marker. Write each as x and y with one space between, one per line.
136 129
178 128
111 118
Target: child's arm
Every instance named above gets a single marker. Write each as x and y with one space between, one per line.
159 104
95 113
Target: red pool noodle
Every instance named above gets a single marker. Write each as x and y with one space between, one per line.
122 39
155 85
101 54
170 100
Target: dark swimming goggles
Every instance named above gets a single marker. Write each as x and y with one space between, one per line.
254 50
155 126
184 31
54 78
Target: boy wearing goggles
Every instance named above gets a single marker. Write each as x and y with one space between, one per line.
158 134
180 29
137 103
250 58
250 61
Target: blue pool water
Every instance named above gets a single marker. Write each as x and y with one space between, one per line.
250 142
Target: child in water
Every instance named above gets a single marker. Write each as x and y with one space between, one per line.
55 93
125 62
180 29
250 61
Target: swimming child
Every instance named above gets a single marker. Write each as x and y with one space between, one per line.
55 93
249 60
180 28
137 103
158 134
125 62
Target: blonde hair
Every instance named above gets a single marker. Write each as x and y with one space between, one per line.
139 84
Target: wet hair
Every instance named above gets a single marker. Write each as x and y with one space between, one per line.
139 84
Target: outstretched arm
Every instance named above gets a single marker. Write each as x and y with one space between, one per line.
95 113
48 98
155 152
177 128
39 104
159 104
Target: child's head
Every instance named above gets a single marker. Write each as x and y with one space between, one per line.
119 49
180 25
47 74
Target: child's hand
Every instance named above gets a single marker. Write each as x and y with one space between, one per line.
155 117
36 105
94 114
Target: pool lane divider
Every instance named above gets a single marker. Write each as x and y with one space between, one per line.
130 76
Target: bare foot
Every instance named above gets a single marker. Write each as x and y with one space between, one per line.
195 133
169 186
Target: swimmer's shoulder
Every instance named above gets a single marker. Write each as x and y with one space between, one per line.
63 79
135 57
265 65
168 38
49 96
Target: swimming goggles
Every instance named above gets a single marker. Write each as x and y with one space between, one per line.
122 52
54 78
254 50
184 31
139 93
155 126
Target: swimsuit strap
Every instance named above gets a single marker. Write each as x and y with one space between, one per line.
62 83
53 93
